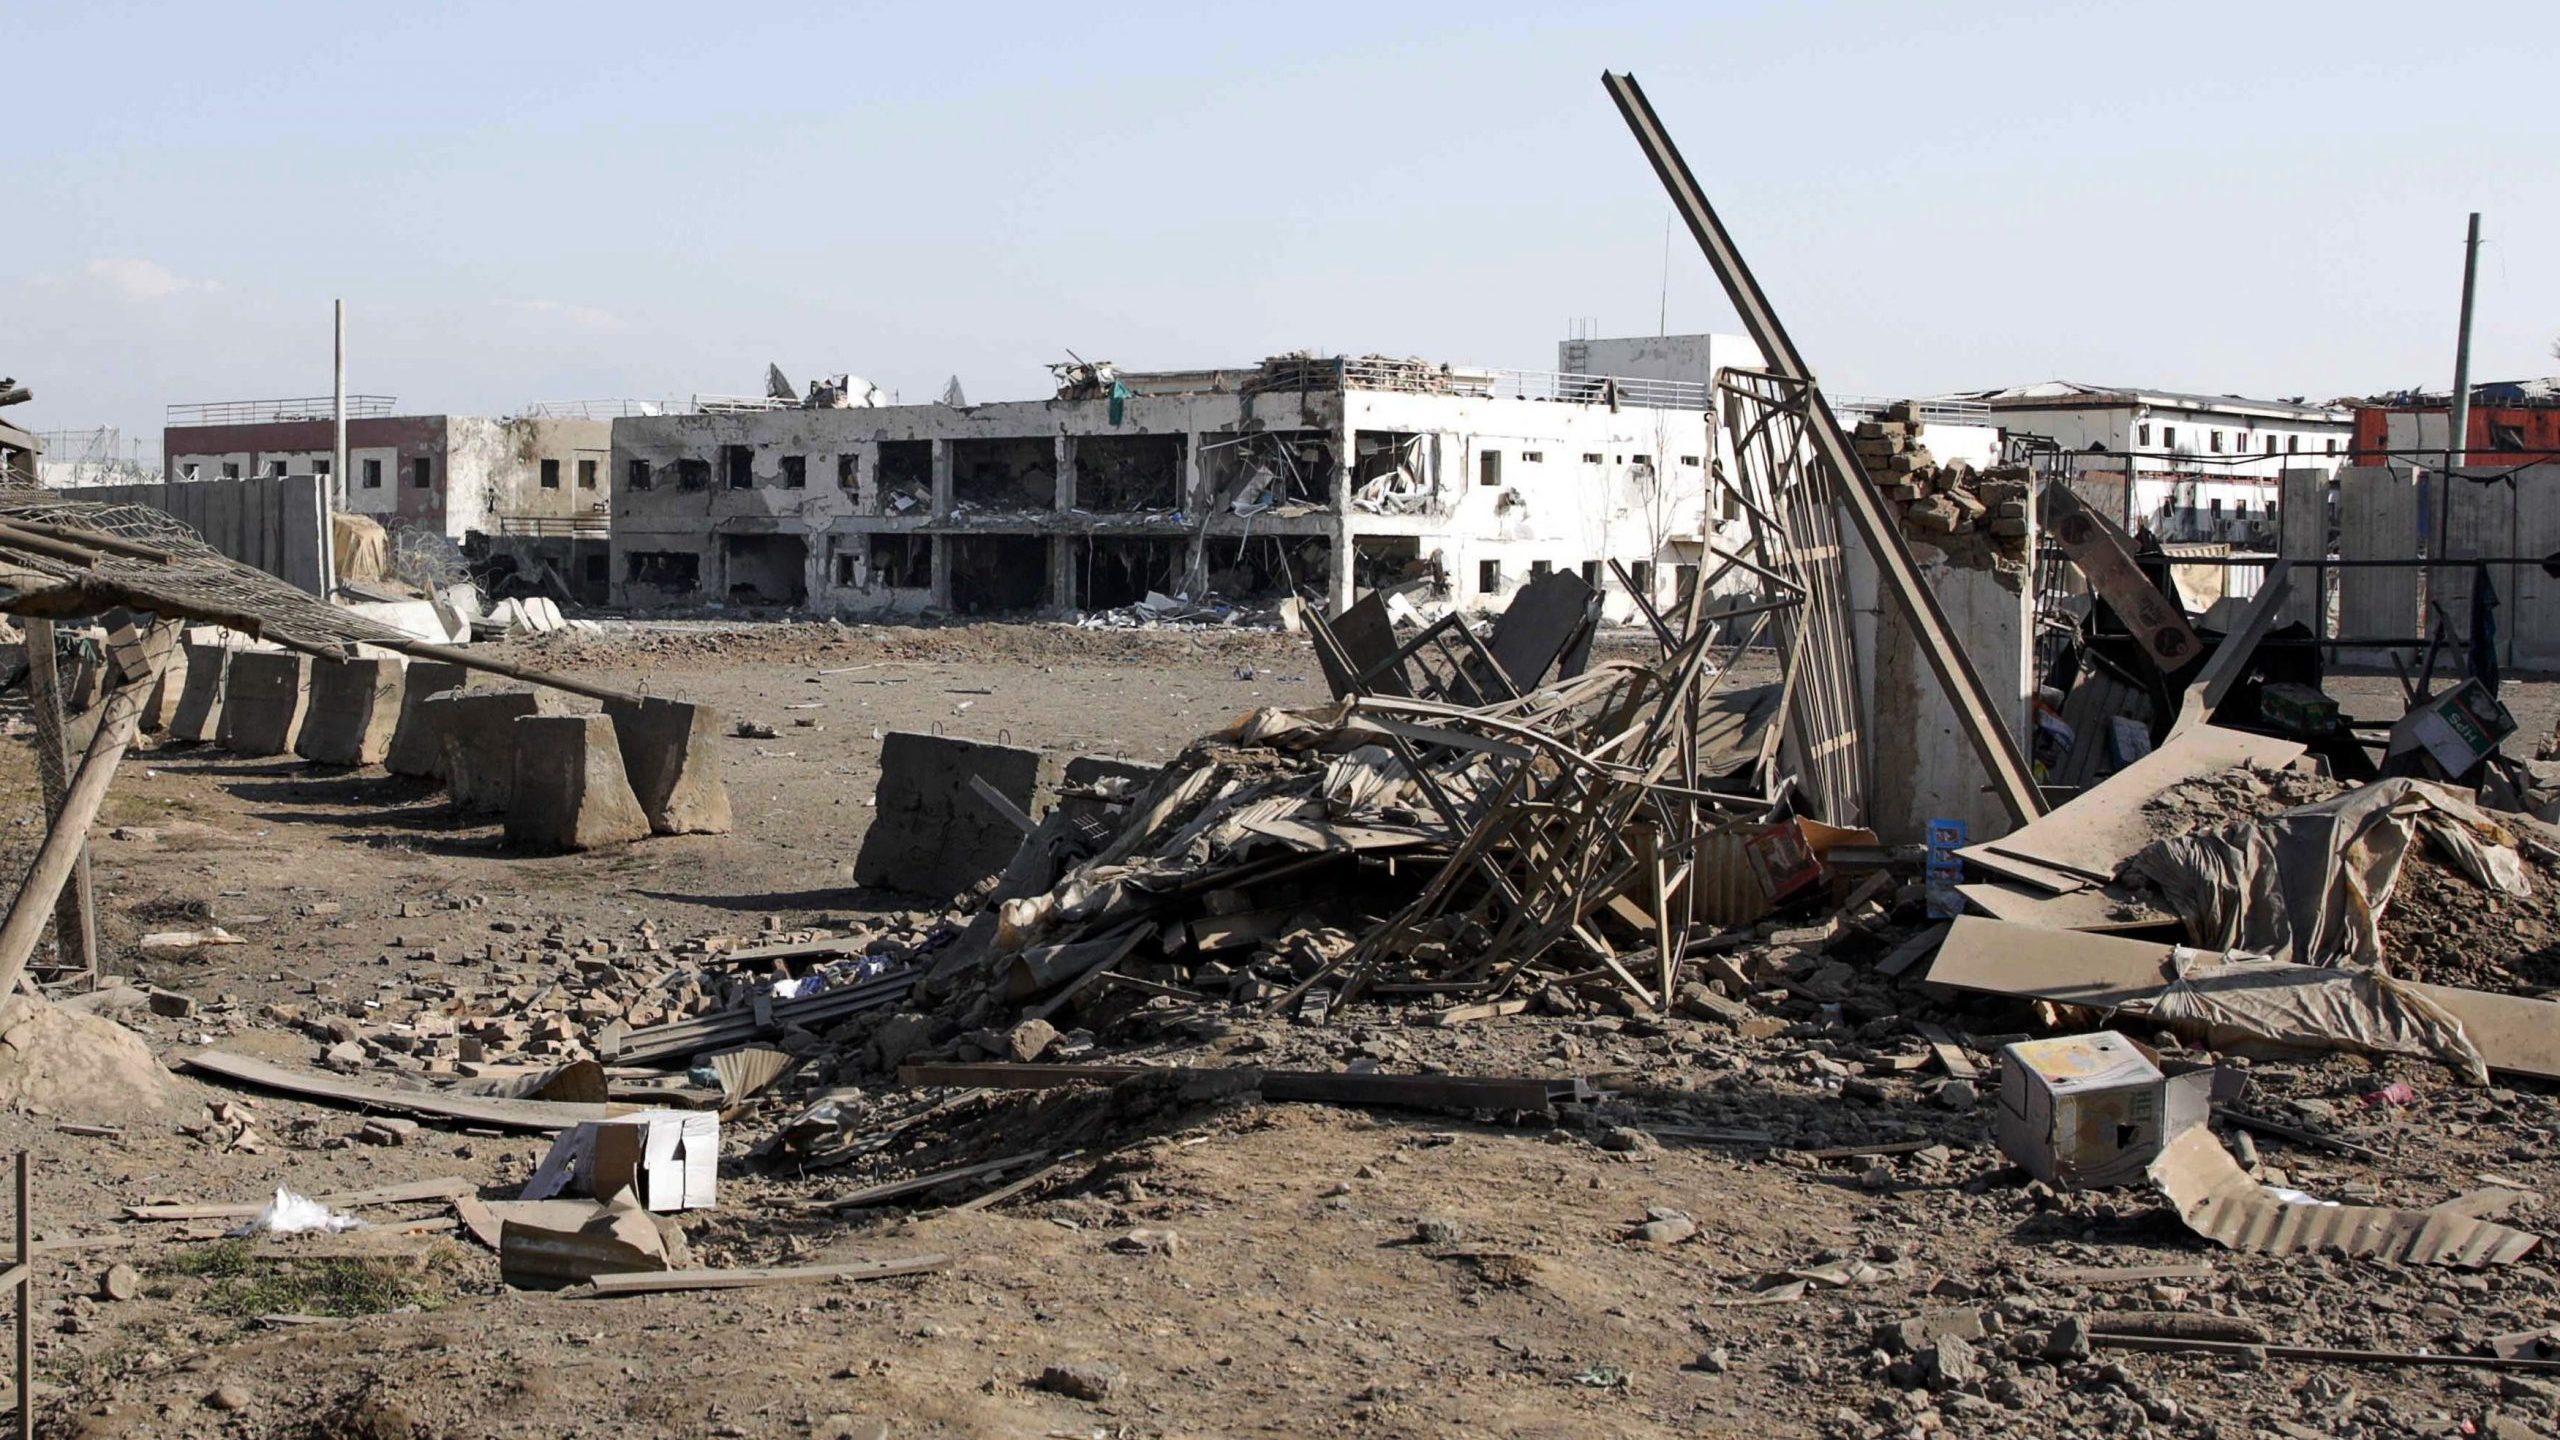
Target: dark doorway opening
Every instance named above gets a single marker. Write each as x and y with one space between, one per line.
766 569
998 574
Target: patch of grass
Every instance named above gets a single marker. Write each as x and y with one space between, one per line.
241 1281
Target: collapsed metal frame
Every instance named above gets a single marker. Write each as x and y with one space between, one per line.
1793 517
1585 796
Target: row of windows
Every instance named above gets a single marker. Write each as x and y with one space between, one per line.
550 475
422 472
1594 574
738 469
1489 462
2239 441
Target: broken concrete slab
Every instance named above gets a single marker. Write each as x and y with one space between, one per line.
416 747
475 731
198 717
569 791
355 705
932 833
263 705
671 752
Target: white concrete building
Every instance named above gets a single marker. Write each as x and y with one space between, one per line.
2204 467
1328 474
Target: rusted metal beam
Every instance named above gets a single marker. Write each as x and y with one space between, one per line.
1976 710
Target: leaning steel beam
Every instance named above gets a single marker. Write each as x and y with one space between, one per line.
1975 709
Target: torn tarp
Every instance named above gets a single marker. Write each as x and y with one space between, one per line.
2235 998
2514 1035
2310 884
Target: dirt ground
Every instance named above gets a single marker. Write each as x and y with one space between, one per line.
1330 1271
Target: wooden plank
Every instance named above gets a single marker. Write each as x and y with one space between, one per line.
647 1282
1323 1087
2516 1036
2126 1274
2099 908
995 800
1951 1056
1908 953
1469 1014
75 914
2096 832
478 1218
471 1109
914 1184
1009 1190
448 1187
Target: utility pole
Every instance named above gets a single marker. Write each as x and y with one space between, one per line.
330 492
338 408
2457 438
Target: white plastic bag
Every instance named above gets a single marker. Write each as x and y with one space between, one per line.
291 1214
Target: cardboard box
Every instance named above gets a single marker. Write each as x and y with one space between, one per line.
668 1159
2092 1111
2457 729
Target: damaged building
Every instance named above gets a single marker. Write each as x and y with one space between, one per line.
1316 475
525 497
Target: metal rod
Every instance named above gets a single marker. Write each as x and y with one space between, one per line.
1976 709
331 492
26 1309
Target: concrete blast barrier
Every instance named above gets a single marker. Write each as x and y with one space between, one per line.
262 708
199 713
161 710
671 751
570 792
476 729
417 747
354 706
931 832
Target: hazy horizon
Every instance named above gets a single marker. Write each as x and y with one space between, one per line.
529 204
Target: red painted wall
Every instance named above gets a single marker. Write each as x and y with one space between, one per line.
2540 427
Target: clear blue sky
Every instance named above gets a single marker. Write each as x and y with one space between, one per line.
526 202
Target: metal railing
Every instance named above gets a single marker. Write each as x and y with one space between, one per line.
591 409
739 404
268 412
1496 384
556 527
1932 412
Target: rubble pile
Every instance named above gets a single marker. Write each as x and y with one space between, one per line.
547 997
1936 500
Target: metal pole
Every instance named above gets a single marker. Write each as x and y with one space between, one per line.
2457 445
338 408
1984 719
26 1310
335 490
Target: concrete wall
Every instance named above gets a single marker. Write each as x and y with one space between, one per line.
270 522
1642 498
387 491
1694 358
496 469
478 471
1920 765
